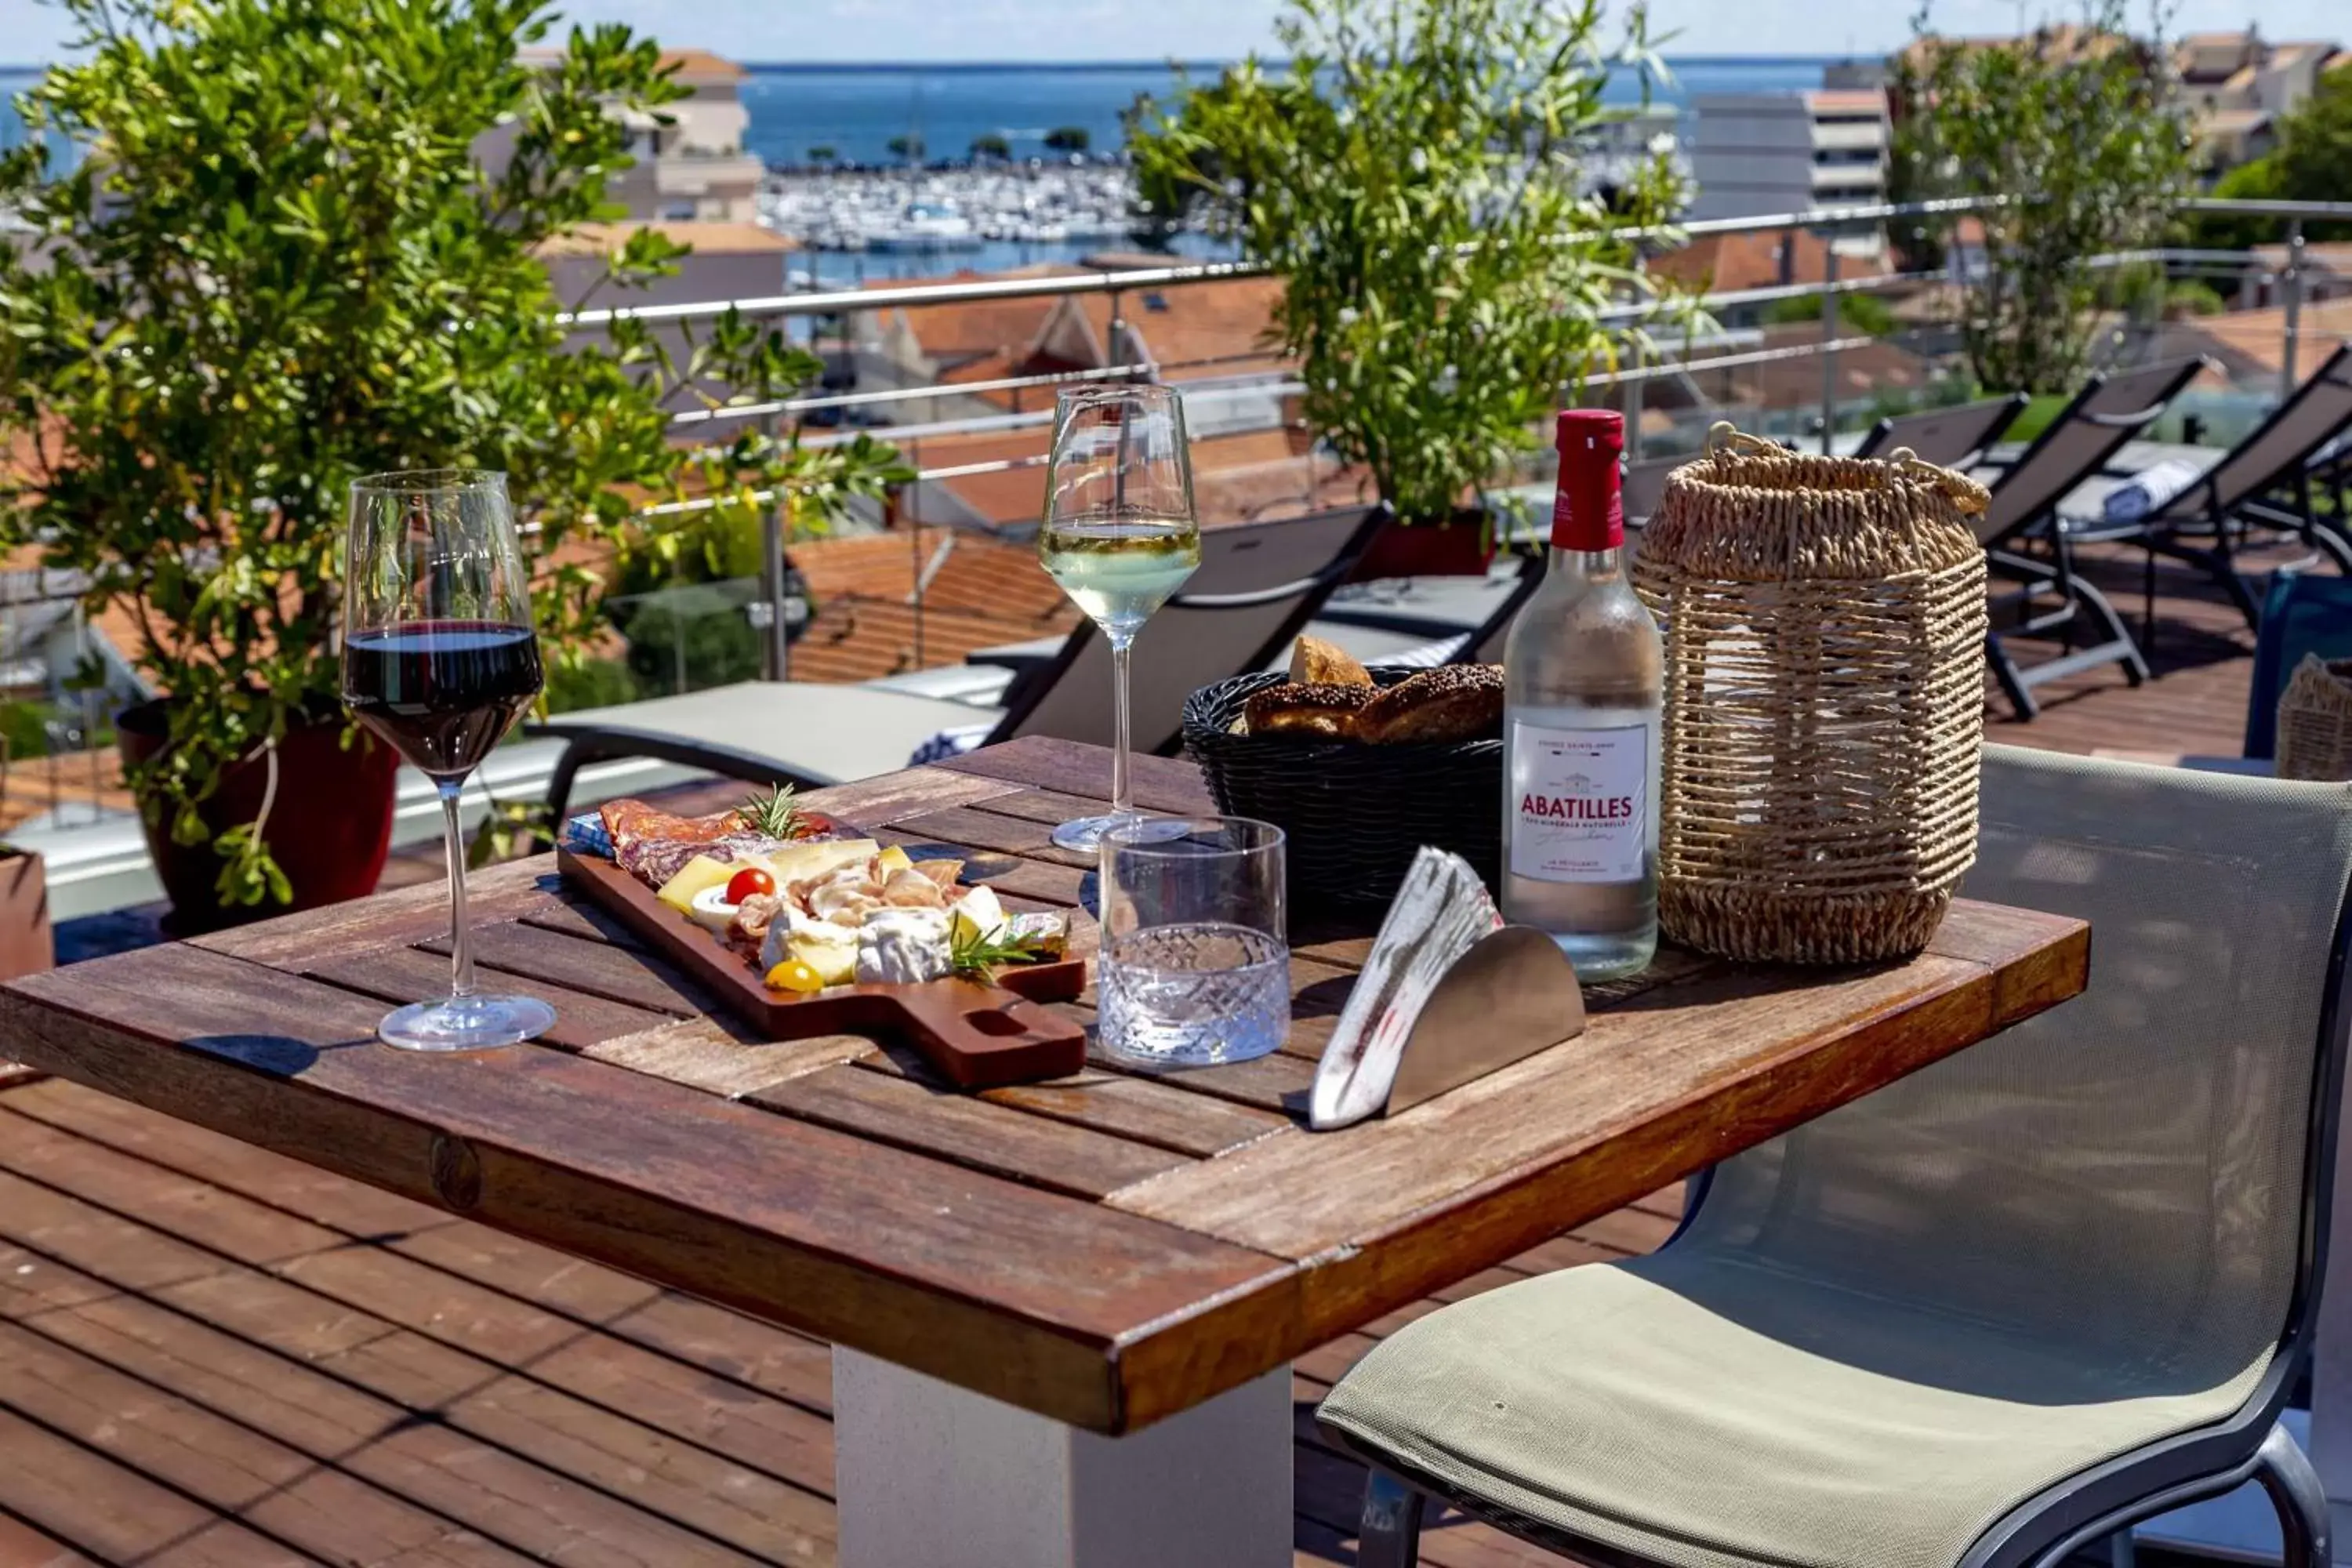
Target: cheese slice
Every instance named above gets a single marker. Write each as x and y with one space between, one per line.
892 860
702 871
976 914
799 862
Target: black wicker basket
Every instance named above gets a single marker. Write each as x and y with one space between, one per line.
1355 814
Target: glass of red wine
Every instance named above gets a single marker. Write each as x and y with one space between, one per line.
439 658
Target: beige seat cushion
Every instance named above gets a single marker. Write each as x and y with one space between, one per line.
1886 1329
1816 1427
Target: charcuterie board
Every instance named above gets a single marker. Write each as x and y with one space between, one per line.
977 1036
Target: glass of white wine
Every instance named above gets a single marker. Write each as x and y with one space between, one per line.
1120 535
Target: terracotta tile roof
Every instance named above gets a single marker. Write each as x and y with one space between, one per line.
2256 340
985 592
1732 261
701 65
1017 495
955 334
708 237
1218 325
1196 329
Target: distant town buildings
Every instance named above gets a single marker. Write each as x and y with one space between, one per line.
2236 86
694 168
1758 152
729 261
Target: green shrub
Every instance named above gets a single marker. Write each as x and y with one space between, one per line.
591 683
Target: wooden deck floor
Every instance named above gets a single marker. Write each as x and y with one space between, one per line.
211 1355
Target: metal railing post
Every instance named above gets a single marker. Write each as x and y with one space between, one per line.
775 645
1115 351
1829 344
2291 286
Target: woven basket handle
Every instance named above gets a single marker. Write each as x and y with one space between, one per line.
1725 439
1724 436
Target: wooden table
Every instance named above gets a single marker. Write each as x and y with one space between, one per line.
1064 1314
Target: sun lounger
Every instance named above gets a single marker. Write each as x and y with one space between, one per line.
1950 437
2024 548
1258 583
2264 482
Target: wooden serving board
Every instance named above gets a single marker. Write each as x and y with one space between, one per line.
979 1037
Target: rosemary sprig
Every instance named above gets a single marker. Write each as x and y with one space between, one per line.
978 955
776 814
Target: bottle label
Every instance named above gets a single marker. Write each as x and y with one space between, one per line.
1581 806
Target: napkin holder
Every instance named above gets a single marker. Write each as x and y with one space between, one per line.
1513 993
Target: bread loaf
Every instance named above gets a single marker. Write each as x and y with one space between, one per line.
1296 709
1314 662
1453 702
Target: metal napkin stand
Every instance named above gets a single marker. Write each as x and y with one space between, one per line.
1513 993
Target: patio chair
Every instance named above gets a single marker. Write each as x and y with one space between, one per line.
1948 437
2006 1308
2243 490
2302 614
1257 584
2072 450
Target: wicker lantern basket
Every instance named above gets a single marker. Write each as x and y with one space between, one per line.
1824 622
2315 722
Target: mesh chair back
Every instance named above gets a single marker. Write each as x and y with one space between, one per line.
2304 613
2108 412
2314 415
2115 1189
1257 584
1950 437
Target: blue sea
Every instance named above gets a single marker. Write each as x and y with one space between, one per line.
857 111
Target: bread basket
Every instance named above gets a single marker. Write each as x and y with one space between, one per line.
1354 813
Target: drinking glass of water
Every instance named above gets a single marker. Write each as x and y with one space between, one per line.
1195 962
1119 536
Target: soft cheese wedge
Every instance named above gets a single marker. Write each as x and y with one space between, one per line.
702 871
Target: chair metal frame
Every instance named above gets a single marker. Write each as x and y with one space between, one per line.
2091 1506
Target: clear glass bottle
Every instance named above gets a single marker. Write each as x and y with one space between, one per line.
1583 683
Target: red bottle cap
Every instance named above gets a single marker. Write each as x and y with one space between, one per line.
1589 513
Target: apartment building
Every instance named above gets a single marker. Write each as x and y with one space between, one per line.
1757 153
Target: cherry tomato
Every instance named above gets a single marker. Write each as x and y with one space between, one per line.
793 975
750 879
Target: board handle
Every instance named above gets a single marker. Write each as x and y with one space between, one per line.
984 1036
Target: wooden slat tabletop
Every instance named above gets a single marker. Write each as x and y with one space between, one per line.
1106 1250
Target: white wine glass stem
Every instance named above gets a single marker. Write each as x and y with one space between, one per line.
461 936
1121 806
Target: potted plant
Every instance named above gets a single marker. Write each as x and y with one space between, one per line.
1416 175
304 244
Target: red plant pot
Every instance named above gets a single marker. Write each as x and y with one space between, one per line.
330 827
1460 546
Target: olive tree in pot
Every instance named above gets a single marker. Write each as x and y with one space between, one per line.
304 246
1422 176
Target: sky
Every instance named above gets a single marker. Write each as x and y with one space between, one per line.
1065 31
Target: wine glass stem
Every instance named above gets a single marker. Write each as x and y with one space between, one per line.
1119 644
461 936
